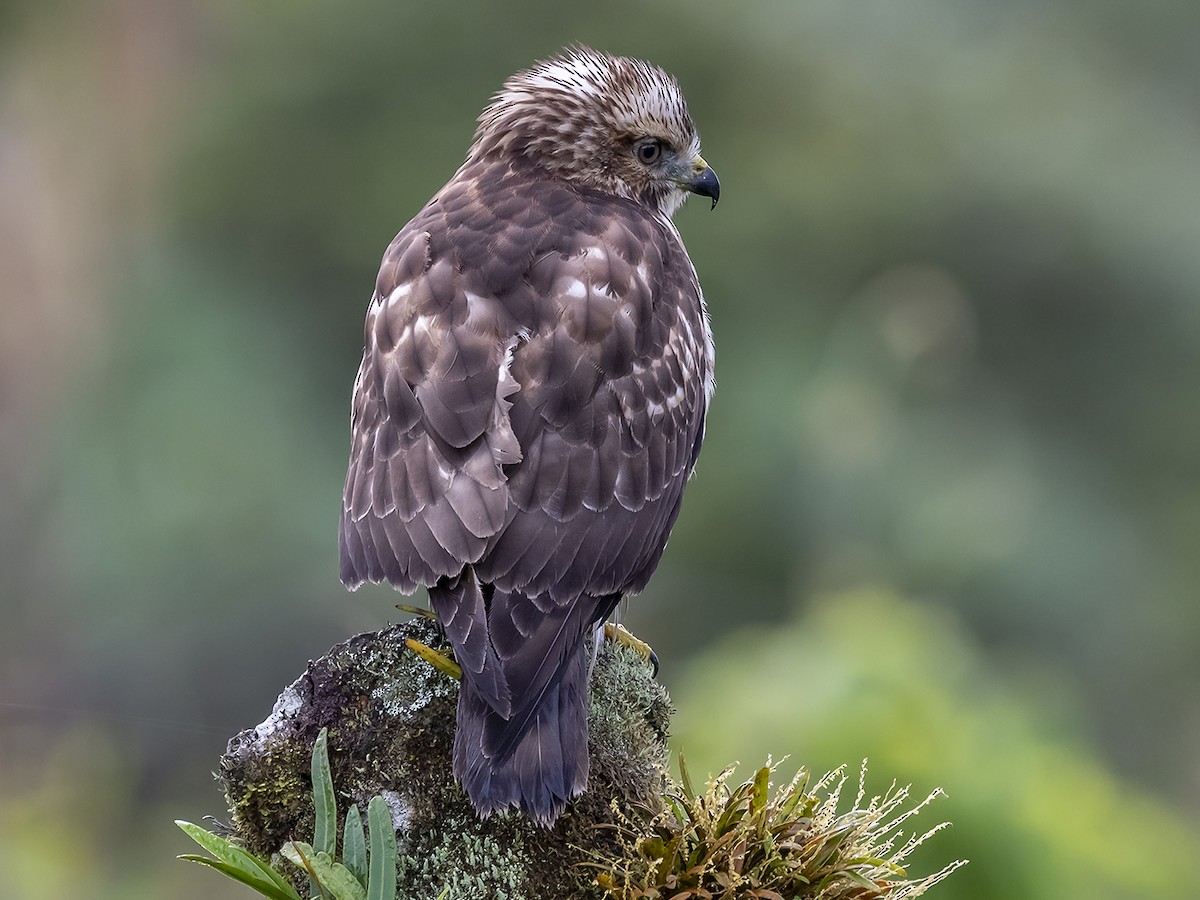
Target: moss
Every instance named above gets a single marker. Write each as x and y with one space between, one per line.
492 863
634 834
391 727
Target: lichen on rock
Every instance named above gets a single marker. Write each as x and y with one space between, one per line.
390 718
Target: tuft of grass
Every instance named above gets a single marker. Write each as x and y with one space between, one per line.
749 843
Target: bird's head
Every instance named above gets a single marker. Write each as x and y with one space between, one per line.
609 123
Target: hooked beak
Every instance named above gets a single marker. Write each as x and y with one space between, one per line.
704 181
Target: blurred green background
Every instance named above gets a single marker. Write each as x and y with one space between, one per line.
948 513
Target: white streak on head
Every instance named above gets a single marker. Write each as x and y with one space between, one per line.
573 74
577 115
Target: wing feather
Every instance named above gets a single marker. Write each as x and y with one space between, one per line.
537 428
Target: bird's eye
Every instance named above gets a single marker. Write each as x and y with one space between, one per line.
648 151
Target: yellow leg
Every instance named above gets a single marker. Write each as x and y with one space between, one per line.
440 661
417 611
619 634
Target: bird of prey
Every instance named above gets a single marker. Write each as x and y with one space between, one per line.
531 402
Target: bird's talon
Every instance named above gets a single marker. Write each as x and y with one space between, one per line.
440 661
417 611
619 634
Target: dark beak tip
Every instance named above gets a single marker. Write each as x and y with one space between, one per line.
706 184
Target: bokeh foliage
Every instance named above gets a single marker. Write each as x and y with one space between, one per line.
953 281
1035 811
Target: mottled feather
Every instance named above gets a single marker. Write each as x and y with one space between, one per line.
530 404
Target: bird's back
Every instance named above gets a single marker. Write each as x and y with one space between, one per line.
532 393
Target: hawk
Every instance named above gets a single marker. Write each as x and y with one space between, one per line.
531 402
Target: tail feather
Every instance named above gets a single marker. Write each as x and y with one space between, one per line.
461 609
521 735
548 764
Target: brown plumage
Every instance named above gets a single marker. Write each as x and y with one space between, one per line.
531 402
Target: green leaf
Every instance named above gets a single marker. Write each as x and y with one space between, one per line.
794 795
237 863
684 778
263 886
300 854
324 801
762 783
333 877
341 881
354 845
382 882
858 880
733 813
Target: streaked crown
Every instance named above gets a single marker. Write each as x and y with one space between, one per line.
583 115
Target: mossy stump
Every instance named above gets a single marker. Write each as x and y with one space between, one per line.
390 717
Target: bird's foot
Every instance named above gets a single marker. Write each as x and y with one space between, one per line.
443 662
619 634
417 611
